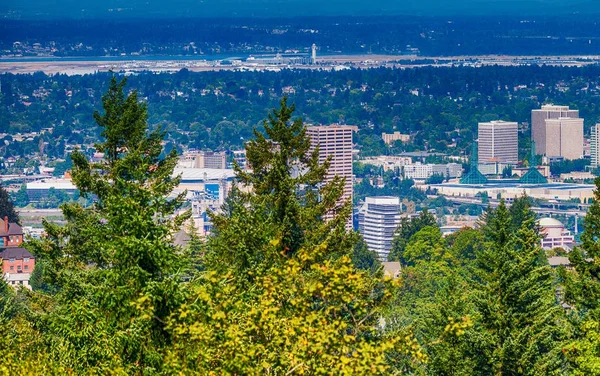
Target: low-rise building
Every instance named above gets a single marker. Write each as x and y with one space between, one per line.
203 159
390 138
11 234
419 171
388 162
555 235
16 260
38 190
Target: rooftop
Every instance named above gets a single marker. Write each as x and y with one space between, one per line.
203 174
550 222
16 253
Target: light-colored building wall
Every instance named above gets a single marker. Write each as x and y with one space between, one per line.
419 171
564 138
379 219
203 159
335 141
538 123
554 235
389 138
595 146
498 142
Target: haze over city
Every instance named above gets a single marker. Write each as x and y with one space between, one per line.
290 8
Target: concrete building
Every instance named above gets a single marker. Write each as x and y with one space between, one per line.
11 234
595 146
564 138
391 269
419 171
378 220
494 168
389 138
38 190
511 189
539 132
555 235
17 266
388 162
335 141
204 159
498 142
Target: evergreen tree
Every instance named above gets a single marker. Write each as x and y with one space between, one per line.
115 255
288 201
281 294
583 292
7 208
363 258
406 229
515 297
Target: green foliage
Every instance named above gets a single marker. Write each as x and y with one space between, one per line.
287 202
427 245
281 293
515 296
435 179
363 258
21 199
110 254
583 292
7 208
406 229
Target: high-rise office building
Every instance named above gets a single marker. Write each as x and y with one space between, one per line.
564 138
498 142
335 141
539 128
595 146
378 220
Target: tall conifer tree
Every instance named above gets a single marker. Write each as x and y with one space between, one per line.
515 296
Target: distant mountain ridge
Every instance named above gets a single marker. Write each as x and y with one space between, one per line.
278 8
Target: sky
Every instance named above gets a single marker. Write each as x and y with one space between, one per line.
278 8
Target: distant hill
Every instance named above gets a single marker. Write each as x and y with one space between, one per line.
277 8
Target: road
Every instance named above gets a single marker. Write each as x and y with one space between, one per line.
495 203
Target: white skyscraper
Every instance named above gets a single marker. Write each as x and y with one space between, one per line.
498 142
378 220
544 142
335 141
564 138
595 146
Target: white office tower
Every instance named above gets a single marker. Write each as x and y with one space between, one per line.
564 138
545 139
313 55
595 146
378 220
335 141
498 142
